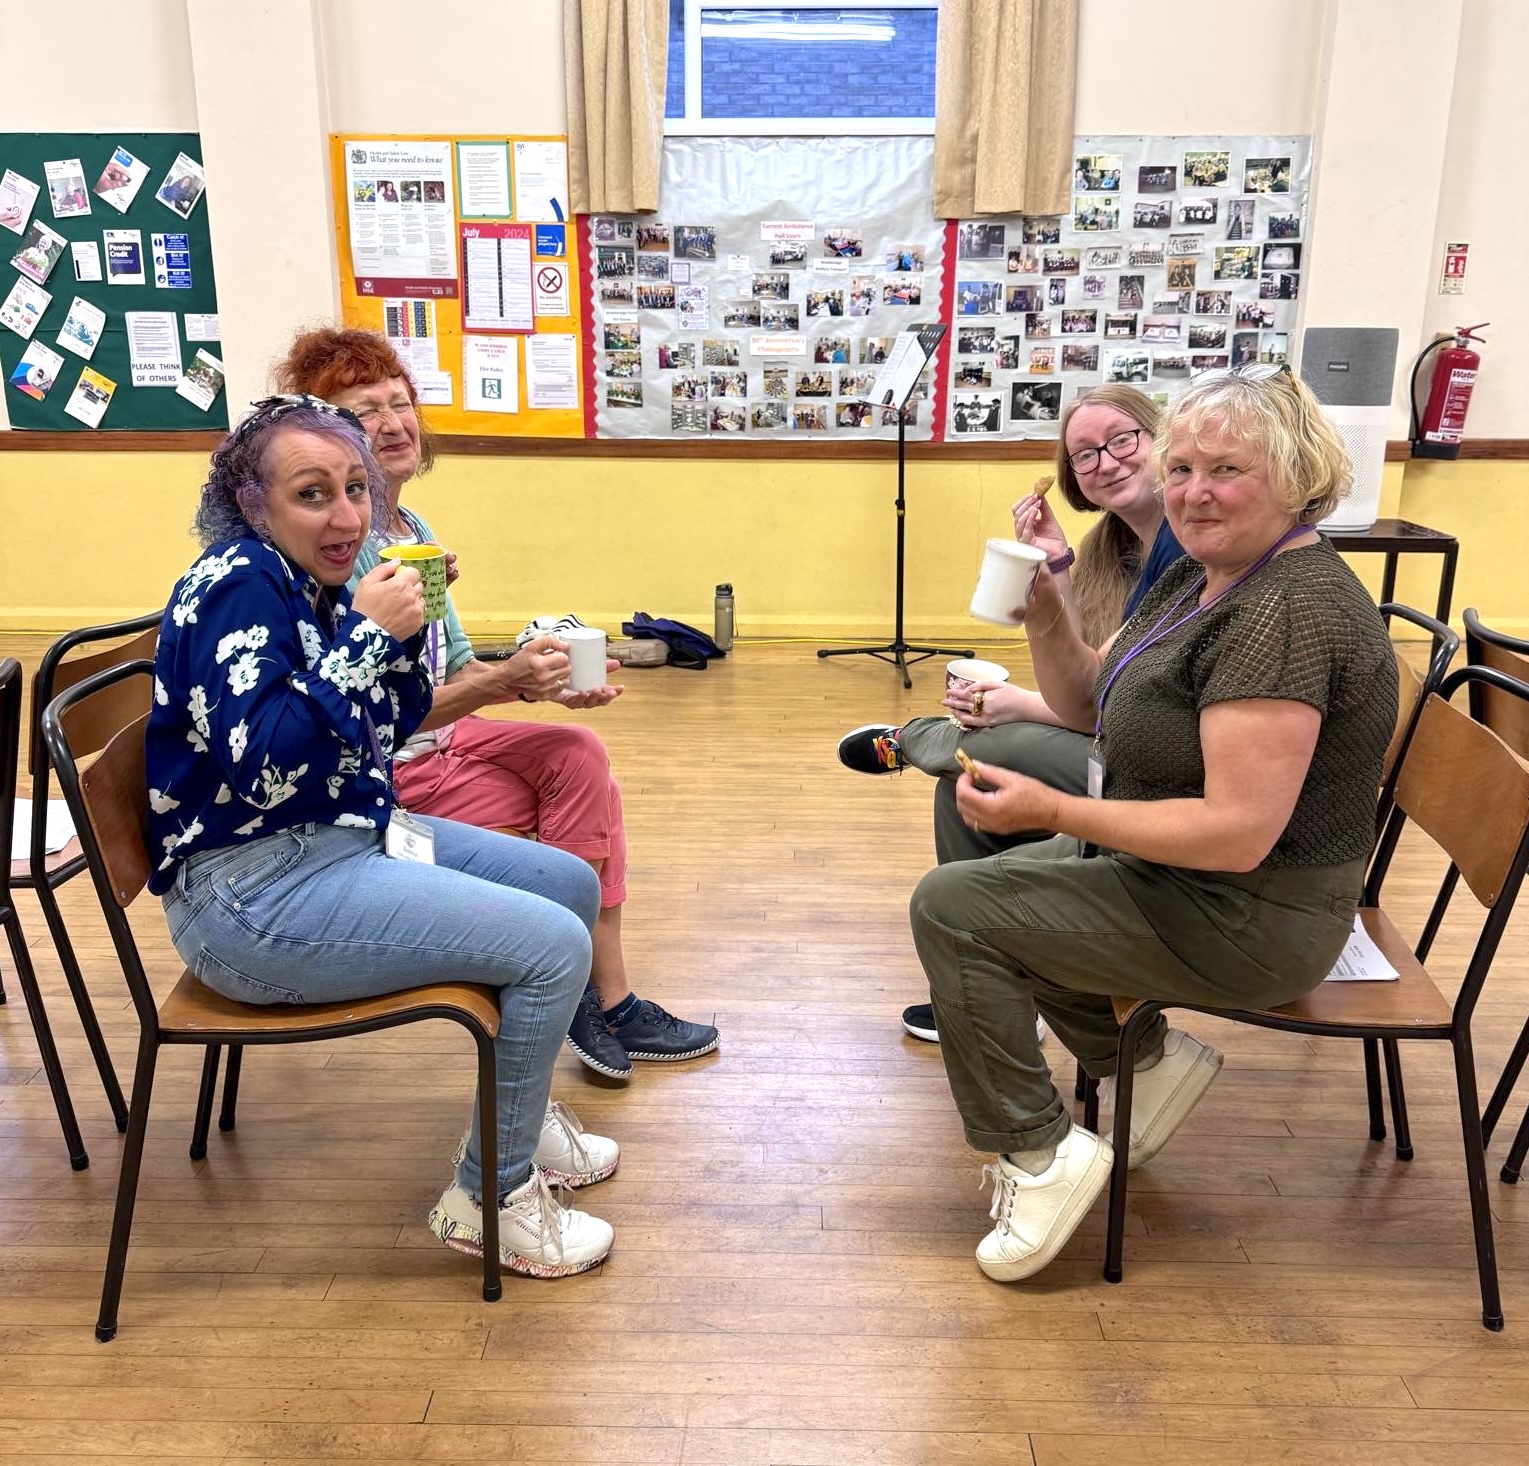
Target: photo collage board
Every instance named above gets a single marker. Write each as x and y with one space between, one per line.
108 308
765 295
1179 255
762 298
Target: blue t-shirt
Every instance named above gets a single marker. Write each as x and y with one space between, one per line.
260 712
1165 550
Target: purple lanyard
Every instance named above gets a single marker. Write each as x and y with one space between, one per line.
1161 631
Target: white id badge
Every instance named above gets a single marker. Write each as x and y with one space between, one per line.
408 839
1095 776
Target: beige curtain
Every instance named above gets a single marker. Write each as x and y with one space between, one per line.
1005 77
616 61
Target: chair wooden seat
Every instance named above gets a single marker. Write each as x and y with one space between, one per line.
1409 1005
195 1013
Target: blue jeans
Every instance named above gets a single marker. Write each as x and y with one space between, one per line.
318 914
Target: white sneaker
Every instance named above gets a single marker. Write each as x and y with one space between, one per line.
1163 1095
567 1153
1037 1214
537 1237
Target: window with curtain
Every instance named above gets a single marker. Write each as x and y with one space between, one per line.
831 67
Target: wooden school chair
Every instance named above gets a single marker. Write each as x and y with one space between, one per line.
1509 719
1468 792
109 801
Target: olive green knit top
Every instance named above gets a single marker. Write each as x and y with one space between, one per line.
1301 629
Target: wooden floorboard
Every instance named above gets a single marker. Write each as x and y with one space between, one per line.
793 1278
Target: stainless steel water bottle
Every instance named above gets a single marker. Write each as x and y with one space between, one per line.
722 618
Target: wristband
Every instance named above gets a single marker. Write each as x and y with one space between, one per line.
1057 566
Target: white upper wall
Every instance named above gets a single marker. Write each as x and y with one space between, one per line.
117 67
1480 205
1197 66
457 66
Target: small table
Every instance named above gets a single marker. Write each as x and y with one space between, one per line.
1393 537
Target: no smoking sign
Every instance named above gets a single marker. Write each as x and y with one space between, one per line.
551 289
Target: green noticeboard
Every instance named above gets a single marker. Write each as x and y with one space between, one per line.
176 268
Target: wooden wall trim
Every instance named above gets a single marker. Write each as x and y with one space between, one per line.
1031 450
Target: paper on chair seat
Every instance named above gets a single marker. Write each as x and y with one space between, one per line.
60 829
1361 960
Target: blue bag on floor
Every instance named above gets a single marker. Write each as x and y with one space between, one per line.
688 648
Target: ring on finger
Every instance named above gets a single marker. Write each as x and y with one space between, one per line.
978 698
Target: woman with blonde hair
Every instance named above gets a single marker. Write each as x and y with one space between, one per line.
1237 721
1104 467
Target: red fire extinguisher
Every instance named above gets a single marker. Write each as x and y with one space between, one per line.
1437 433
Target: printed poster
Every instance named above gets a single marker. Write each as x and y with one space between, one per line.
39 252
124 256
87 259
490 368
410 328
483 169
552 371
172 260
66 188
402 220
37 370
17 195
24 307
153 348
82 328
203 380
91 397
183 186
121 179
496 277
541 182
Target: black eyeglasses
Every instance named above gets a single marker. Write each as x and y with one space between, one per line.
1117 446
269 410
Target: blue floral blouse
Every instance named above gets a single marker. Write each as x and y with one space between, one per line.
260 711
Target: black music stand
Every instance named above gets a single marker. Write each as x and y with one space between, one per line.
894 385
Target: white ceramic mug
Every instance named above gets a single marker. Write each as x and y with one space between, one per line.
965 670
1008 571
586 657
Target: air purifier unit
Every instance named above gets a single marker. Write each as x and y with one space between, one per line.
1351 369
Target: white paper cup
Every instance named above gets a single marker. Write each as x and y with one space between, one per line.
1008 571
586 657
965 670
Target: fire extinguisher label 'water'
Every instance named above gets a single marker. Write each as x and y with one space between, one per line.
1457 398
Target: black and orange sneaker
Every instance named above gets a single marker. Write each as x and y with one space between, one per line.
873 749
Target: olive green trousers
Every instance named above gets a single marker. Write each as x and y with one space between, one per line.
1040 929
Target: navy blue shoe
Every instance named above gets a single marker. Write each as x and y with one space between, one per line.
593 1042
654 1033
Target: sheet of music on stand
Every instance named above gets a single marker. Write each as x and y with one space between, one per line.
899 372
1361 959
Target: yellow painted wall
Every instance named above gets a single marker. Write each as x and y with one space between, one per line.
97 536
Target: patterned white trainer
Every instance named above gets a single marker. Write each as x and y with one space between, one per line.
1163 1096
538 1238
567 1154
1037 1214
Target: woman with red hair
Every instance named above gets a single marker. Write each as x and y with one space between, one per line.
553 778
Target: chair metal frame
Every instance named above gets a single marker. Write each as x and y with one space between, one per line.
42 1029
54 674
1456 1030
1481 641
109 801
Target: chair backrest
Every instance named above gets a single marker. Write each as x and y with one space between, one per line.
59 671
10 747
110 799
1412 691
1462 785
1505 715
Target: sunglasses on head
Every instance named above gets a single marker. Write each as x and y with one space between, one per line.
1254 371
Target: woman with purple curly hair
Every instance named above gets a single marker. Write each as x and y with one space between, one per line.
286 871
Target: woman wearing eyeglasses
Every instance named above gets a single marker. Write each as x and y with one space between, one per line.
551 778
1104 467
1237 724
286 877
